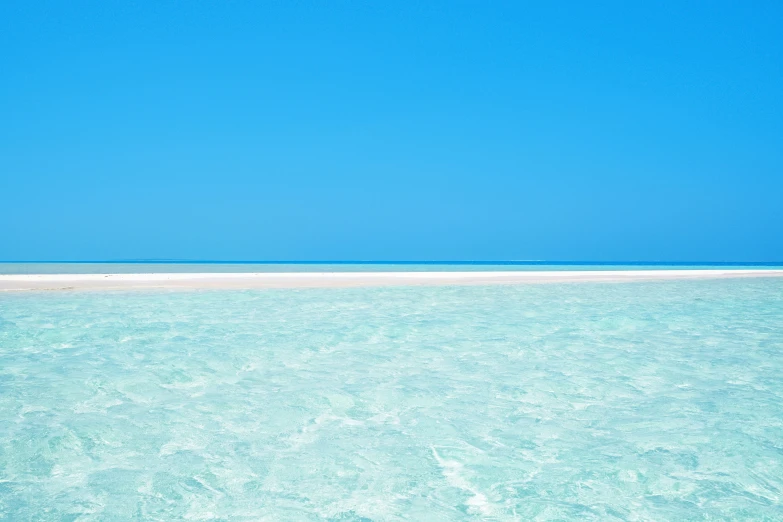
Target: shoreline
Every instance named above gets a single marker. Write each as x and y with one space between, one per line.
237 280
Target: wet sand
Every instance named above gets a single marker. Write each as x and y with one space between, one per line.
21 282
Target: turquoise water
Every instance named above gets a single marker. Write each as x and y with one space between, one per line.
582 401
146 268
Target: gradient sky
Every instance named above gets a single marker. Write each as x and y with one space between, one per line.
391 130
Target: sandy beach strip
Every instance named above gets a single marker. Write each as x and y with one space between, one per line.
21 282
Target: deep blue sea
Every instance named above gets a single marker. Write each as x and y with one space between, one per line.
578 401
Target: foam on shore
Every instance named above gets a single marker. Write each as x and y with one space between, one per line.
19 282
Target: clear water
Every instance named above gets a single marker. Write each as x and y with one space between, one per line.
583 401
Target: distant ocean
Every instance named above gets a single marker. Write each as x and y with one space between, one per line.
143 267
580 401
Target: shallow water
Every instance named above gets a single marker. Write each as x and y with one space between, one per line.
582 401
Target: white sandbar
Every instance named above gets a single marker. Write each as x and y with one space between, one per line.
19 282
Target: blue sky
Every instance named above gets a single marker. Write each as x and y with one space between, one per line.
391 130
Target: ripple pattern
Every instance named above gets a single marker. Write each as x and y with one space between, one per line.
632 401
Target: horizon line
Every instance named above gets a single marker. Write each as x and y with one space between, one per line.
391 262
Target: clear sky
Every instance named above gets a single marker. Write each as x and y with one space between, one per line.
279 130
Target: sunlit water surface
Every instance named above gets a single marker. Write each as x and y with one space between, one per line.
583 401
